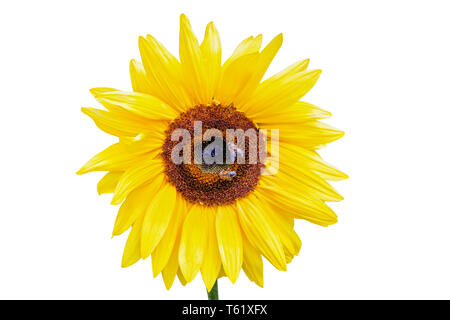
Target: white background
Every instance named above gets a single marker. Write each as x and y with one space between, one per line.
385 78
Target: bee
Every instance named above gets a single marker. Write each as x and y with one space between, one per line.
235 151
227 175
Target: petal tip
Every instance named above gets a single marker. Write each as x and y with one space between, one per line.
116 200
316 73
189 274
142 42
127 262
168 285
96 91
233 278
210 285
93 91
85 110
81 171
184 19
116 231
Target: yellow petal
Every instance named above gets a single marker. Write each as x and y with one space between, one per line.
229 239
150 142
309 182
141 104
139 79
132 253
151 126
99 94
283 74
284 228
109 182
259 232
98 91
164 73
136 205
193 71
238 69
211 51
294 114
157 219
115 123
275 81
235 78
170 270
241 77
181 277
262 63
252 264
309 159
309 135
163 251
247 46
211 262
193 243
290 201
116 157
277 94
222 273
299 169
136 176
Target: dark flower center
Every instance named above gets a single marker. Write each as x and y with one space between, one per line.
221 167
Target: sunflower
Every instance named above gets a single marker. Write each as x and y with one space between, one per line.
214 219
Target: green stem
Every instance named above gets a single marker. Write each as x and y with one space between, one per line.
214 293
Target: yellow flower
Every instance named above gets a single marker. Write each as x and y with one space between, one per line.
216 219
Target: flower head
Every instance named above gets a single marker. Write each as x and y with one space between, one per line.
202 180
